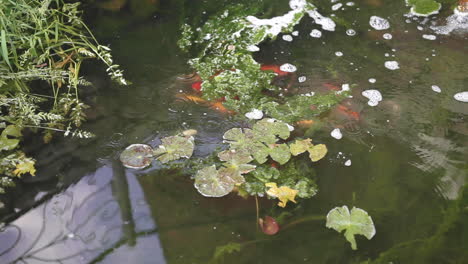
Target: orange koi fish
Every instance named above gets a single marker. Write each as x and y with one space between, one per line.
331 86
217 105
274 68
305 123
348 112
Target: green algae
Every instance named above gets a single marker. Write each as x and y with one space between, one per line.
224 46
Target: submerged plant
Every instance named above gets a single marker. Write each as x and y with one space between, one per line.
356 222
225 44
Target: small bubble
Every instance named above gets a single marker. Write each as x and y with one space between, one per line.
387 36
339 53
351 32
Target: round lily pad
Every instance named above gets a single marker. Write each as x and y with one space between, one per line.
137 156
210 183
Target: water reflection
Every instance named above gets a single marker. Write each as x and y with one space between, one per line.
102 218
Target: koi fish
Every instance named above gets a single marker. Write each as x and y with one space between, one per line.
332 87
274 68
348 112
196 86
305 123
216 105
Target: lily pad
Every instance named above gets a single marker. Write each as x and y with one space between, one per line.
424 7
280 153
237 160
174 148
301 146
241 140
267 130
137 156
210 183
358 222
317 152
9 143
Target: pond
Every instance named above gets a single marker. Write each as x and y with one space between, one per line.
403 158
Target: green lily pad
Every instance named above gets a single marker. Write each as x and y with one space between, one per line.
300 146
237 160
174 148
137 156
241 139
280 153
424 7
267 130
317 152
210 183
9 143
358 222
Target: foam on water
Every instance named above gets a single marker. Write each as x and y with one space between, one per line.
254 114
392 65
429 37
461 97
302 79
372 80
315 33
436 88
336 133
374 97
339 53
287 67
387 36
326 22
458 22
336 6
287 38
348 163
379 23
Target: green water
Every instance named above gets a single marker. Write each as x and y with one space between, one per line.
408 154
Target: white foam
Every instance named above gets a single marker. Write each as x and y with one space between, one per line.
336 133
288 38
392 65
315 33
288 67
387 36
379 23
350 4
302 79
252 48
339 53
254 114
462 97
436 88
326 22
374 97
336 6
372 80
456 22
429 37
295 33
348 163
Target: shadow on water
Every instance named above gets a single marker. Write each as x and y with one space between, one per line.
408 154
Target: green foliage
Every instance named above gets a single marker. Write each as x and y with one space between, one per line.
356 222
139 156
174 148
224 250
13 162
224 46
423 7
316 152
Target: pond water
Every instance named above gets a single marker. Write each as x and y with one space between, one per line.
402 160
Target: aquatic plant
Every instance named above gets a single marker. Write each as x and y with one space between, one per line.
356 222
424 7
225 44
13 162
44 42
139 156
